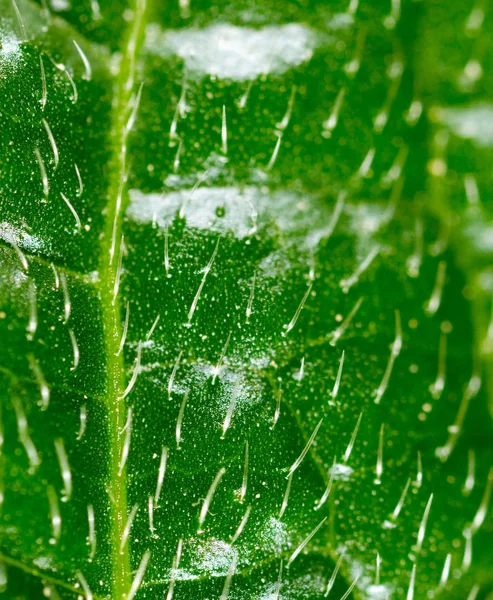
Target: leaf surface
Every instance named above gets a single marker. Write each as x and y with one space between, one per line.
244 304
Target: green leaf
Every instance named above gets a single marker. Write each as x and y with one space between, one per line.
245 300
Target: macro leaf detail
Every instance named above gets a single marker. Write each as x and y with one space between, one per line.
245 300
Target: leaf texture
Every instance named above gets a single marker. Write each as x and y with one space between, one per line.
245 295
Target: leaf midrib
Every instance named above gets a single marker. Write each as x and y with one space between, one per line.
110 306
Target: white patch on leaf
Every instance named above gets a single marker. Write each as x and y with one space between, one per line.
15 235
236 53
207 557
274 536
10 53
473 123
43 562
480 236
59 5
231 210
341 472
